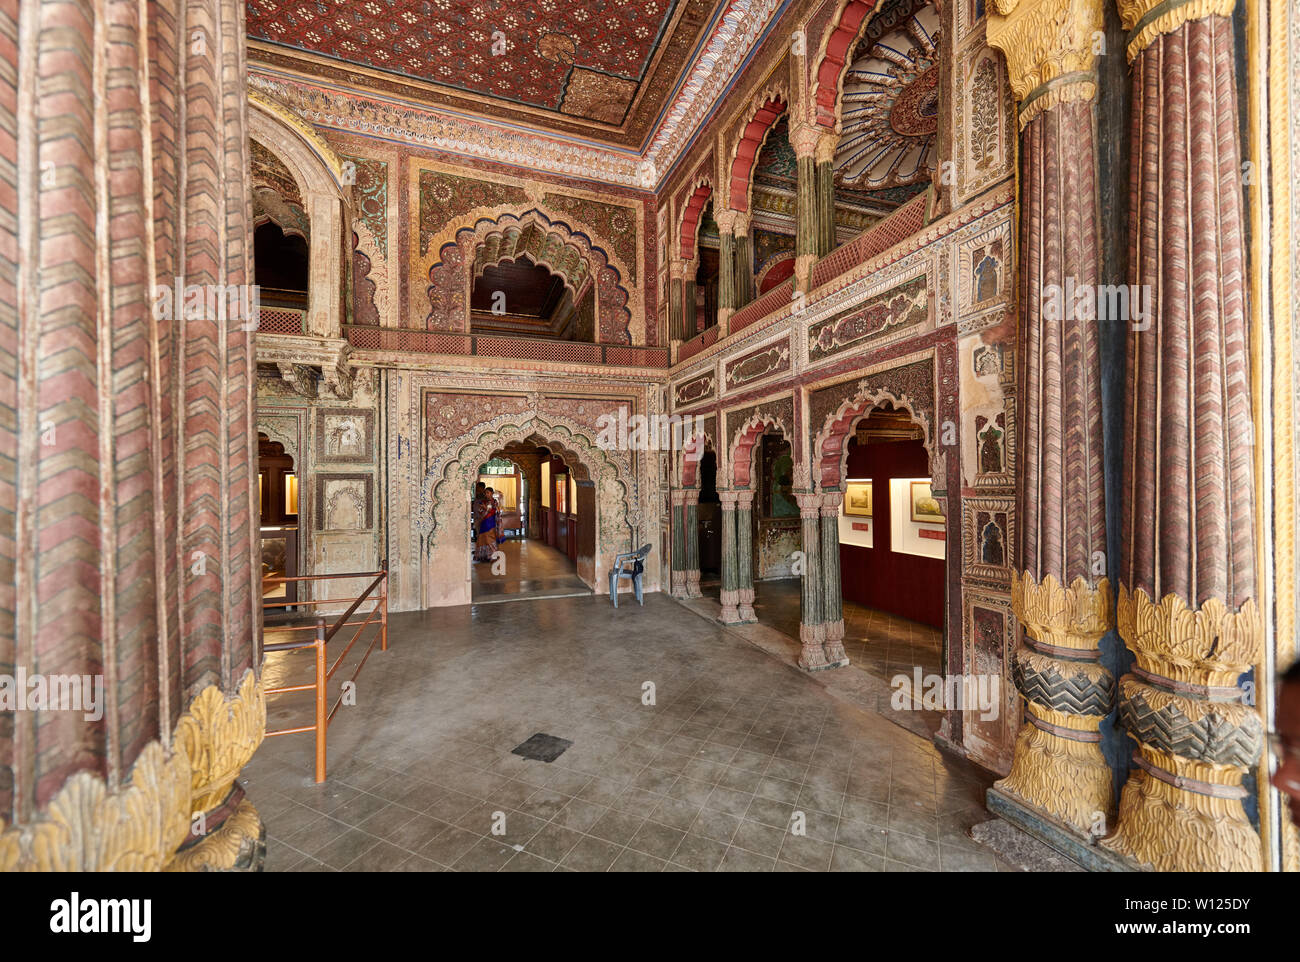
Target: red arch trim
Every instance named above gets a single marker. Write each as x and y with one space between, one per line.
751 141
740 456
838 49
691 219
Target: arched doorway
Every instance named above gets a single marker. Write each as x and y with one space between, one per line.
518 556
277 490
590 526
892 545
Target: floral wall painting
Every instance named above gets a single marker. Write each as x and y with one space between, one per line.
857 498
925 506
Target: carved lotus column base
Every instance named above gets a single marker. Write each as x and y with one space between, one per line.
812 638
1182 807
1183 828
693 584
679 585
730 608
746 604
237 844
1058 768
833 646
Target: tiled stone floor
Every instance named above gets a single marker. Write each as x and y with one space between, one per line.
877 642
533 569
709 777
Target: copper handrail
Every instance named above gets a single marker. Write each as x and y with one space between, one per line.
321 640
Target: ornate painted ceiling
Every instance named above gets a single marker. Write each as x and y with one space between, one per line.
891 100
602 69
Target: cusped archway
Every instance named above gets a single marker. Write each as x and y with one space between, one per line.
568 252
446 562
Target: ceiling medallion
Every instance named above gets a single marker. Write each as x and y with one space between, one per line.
916 111
557 48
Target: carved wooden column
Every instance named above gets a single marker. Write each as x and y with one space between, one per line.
812 633
1187 597
688 299
691 503
832 597
825 159
744 262
1061 597
730 577
745 556
131 454
726 220
804 138
679 542
676 312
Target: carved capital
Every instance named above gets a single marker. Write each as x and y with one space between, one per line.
745 499
1144 20
827 143
804 138
1209 646
1050 48
726 220
831 501
1073 617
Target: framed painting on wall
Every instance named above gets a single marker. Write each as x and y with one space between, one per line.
857 498
925 506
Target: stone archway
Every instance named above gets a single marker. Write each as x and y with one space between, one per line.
454 259
319 174
831 450
446 562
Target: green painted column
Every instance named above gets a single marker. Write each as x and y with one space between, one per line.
675 313
726 276
688 306
679 544
744 266
691 529
745 556
825 207
811 631
730 597
832 596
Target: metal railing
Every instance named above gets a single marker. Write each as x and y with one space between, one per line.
323 635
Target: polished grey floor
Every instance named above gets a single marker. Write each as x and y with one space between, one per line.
738 763
526 569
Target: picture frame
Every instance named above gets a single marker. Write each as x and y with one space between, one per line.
857 498
925 507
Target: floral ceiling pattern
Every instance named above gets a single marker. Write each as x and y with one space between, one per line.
611 63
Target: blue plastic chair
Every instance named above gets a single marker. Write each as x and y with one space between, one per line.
630 565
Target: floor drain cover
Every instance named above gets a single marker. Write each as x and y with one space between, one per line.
542 748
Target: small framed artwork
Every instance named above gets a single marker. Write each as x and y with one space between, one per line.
925 506
857 498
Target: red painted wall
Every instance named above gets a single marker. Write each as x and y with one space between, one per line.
902 584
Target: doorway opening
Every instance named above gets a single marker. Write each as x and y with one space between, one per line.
530 514
893 566
277 491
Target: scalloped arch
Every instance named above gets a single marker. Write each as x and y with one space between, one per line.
763 112
452 266
831 453
700 193
743 441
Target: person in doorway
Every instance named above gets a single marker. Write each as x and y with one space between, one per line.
1286 745
486 518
